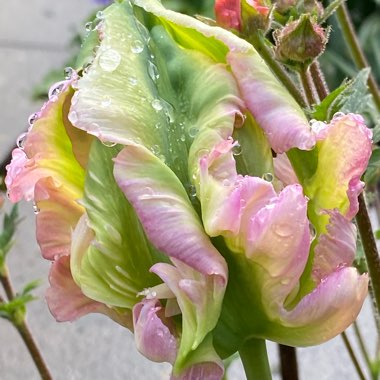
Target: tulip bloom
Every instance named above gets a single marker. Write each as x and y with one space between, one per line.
160 205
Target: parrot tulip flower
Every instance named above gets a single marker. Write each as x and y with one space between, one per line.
160 205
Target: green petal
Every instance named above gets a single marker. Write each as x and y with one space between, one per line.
112 265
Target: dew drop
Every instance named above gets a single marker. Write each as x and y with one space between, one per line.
192 191
157 105
239 120
137 47
283 229
88 26
55 90
106 102
86 67
133 81
68 72
268 177
226 182
32 118
237 149
155 150
182 138
313 231
109 144
100 15
20 142
109 60
193 131
338 115
158 126
153 71
143 31
36 209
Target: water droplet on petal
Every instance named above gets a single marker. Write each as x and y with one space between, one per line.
20 142
88 26
226 182
32 118
192 191
268 177
155 150
133 81
36 209
153 71
55 90
338 115
109 144
237 149
283 229
193 131
158 126
313 231
106 102
68 72
100 15
137 47
239 120
143 31
109 60
157 105
183 138
86 67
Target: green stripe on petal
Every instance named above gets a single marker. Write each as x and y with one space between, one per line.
111 256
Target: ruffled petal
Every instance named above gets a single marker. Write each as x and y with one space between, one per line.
67 302
153 336
57 216
336 183
328 310
336 248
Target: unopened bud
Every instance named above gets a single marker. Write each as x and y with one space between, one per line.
228 14
256 15
300 41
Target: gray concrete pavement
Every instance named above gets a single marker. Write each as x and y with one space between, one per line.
34 36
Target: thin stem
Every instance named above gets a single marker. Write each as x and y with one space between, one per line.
7 285
370 248
267 54
253 354
289 366
352 355
362 346
23 328
308 85
27 337
319 80
356 50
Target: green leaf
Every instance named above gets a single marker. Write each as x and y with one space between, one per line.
352 96
15 309
9 228
373 170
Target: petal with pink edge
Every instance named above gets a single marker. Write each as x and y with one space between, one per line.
67 302
228 13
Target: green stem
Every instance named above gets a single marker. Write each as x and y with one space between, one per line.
23 328
266 53
35 353
308 86
253 354
363 348
370 248
319 80
352 355
356 50
289 366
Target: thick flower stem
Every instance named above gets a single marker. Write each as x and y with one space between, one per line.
319 80
253 354
370 248
308 85
355 49
266 53
352 355
288 358
23 328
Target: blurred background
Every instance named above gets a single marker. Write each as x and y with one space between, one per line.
38 38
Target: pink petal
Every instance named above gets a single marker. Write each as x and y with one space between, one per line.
57 217
67 302
284 171
272 106
336 248
328 310
154 335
